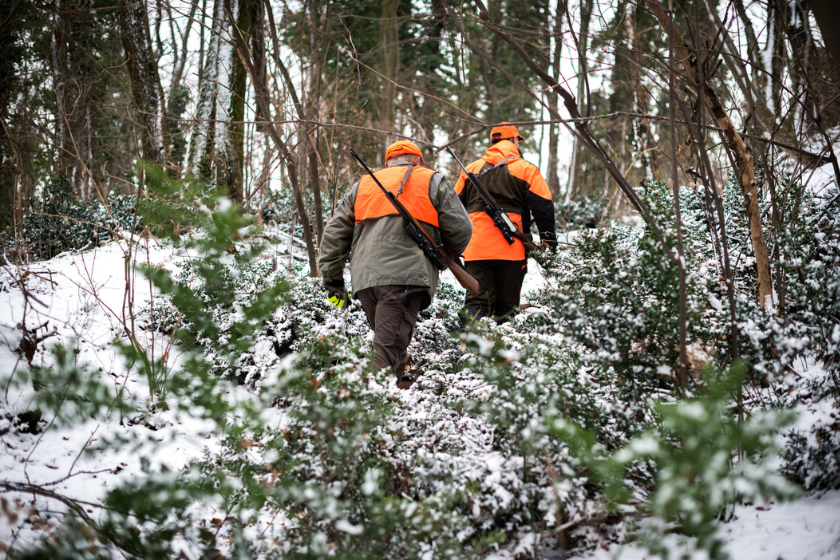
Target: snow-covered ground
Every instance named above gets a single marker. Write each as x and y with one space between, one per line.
79 297
806 529
82 297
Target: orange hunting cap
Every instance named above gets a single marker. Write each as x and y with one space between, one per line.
504 132
402 147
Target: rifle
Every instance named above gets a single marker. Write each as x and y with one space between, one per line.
496 213
442 256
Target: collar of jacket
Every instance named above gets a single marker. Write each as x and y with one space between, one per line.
499 151
399 164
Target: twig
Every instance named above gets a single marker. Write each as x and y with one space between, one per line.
70 472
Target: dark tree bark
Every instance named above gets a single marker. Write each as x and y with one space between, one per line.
312 133
389 43
644 136
675 189
554 129
824 12
146 92
576 168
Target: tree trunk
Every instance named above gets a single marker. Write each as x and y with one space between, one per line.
575 170
146 92
313 114
249 12
740 152
554 129
752 42
217 147
776 48
58 62
644 136
675 190
389 43
823 10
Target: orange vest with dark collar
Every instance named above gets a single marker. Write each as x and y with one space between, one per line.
371 202
510 184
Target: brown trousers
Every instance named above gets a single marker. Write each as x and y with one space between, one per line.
392 313
500 287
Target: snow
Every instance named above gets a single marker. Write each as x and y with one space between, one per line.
80 296
806 529
534 280
349 528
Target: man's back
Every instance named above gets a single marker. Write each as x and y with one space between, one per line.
392 277
367 227
519 188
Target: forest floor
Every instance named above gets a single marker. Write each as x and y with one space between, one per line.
80 297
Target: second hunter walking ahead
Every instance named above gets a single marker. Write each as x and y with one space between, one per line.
520 189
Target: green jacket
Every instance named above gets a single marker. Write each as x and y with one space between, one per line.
381 251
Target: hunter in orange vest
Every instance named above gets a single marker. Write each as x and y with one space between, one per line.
390 274
520 189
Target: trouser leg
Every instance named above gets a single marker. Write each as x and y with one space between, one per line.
508 277
392 324
500 288
481 304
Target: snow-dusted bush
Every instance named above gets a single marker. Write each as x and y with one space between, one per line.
706 459
584 212
617 295
563 422
225 286
809 255
813 460
56 223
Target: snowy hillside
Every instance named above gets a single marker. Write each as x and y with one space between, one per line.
52 464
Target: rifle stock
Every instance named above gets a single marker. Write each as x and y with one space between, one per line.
461 275
453 262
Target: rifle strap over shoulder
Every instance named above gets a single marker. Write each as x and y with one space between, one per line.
491 168
404 180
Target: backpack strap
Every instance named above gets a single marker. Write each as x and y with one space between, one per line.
489 169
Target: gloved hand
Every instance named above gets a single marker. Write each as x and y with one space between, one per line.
337 293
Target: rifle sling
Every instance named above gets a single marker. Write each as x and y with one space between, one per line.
505 161
404 181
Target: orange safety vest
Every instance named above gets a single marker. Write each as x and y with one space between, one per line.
488 243
371 202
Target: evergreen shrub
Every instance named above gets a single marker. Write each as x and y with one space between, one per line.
57 223
566 422
583 212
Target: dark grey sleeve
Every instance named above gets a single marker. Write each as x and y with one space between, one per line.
543 211
338 237
453 220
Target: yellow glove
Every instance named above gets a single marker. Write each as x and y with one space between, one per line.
337 293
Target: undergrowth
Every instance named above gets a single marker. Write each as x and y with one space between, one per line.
564 424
